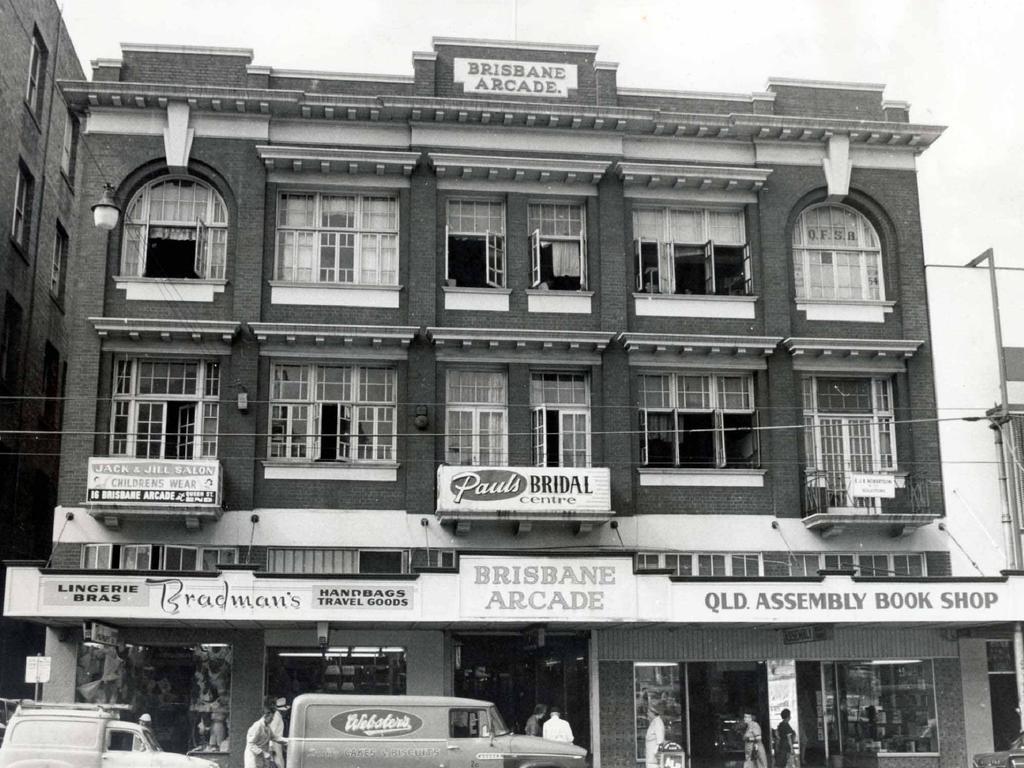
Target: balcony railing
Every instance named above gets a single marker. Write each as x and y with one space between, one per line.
828 494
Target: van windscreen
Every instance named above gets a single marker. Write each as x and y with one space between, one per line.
39 732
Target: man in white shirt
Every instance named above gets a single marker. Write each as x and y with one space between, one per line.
277 728
557 729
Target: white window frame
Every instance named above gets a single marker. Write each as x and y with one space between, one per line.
96 557
128 558
211 231
370 266
433 558
476 411
878 426
694 563
538 238
129 408
69 146
36 73
663 278
285 445
229 555
855 560
808 255
180 551
493 240
59 260
540 409
714 406
20 224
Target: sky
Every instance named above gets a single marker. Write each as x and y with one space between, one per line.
958 62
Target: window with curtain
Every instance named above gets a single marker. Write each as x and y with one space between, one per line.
476 417
557 246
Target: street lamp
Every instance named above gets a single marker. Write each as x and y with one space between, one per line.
998 418
106 212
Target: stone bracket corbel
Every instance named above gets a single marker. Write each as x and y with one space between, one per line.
837 167
177 136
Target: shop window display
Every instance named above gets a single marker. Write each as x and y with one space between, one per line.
658 688
344 669
186 690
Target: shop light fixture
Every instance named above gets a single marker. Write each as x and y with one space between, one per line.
361 652
887 662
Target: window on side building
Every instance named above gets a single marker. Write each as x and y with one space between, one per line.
558 246
10 341
475 244
561 419
695 251
36 80
698 420
337 413
21 223
69 147
175 228
848 429
837 255
476 417
337 239
165 409
59 263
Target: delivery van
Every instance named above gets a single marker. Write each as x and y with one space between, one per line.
42 735
340 731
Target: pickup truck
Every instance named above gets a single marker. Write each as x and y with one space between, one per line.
41 735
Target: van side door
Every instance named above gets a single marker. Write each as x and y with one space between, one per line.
469 738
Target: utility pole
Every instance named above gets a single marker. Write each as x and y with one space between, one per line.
998 418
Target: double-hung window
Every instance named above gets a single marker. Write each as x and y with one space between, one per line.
335 413
69 146
694 251
836 255
337 239
165 409
175 228
476 417
558 246
848 429
59 262
698 420
561 419
20 223
475 244
36 73
156 557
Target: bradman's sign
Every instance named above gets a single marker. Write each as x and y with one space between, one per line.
528 489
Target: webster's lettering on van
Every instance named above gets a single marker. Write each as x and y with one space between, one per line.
94 593
376 723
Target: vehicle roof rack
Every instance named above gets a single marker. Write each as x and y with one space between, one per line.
32 704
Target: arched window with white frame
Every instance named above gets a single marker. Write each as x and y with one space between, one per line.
175 227
837 255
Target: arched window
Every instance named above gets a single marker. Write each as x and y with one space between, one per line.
837 255
177 228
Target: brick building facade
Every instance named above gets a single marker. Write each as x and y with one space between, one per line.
38 163
504 381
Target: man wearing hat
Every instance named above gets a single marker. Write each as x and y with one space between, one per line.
655 735
277 728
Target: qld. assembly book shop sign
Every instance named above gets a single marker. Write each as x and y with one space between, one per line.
153 482
539 79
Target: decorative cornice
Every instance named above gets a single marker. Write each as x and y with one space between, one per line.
492 168
861 132
611 66
197 50
424 56
896 349
469 42
166 331
520 340
313 334
106 63
657 93
837 85
358 77
663 175
671 344
330 160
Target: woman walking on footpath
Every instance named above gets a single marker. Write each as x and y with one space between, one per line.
754 755
786 738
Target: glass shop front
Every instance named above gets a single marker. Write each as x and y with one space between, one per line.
859 710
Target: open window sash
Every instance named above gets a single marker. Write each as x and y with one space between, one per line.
535 275
540 441
447 245
495 260
644 452
583 259
748 281
202 245
648 269
709 268
666 268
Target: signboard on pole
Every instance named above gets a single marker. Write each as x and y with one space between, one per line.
94 632
37 669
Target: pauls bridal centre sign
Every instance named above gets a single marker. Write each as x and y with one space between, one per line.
543 79
154 482
523 489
